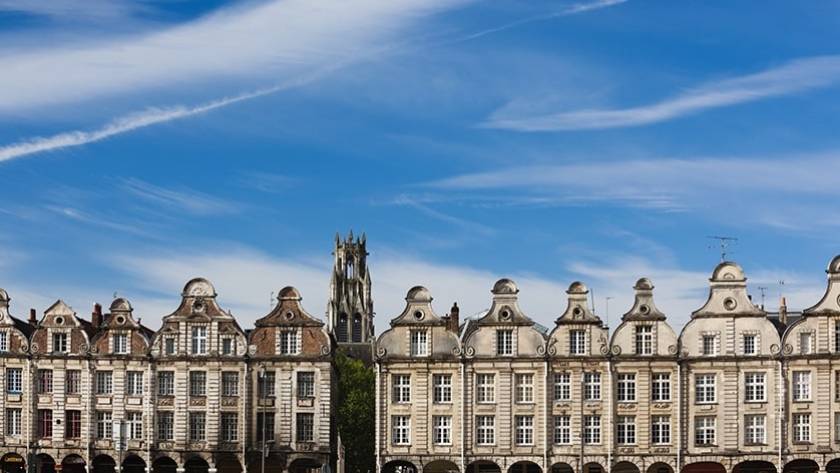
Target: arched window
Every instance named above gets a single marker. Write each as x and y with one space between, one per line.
341 328
357 328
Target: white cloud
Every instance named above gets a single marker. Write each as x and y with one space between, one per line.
85 10
795 76
191 201
276 39
128 123
782 192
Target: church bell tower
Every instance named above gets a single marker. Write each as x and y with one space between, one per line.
350 309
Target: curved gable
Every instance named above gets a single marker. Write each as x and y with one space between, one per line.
504 330
289 330
656 337
419 323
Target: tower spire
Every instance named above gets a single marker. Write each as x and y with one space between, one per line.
350 307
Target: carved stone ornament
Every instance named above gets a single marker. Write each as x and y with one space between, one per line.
774 349
325 349
616 350
457 351
541 350
672 349
470 352
788 349
381 352
34 348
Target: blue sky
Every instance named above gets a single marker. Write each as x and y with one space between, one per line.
143 143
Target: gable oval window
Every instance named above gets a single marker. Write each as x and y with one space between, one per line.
59 320
120 320
504 314
730 303
644 309
290 315
418 315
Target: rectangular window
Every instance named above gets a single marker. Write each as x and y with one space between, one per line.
837 336
265 426
660 387
504 342
801 385
60 343
562 386
704 431
169 345
198 383
104 381
524 387
306 384
704 388
72 424
120 341
802 428
104 427
265 384
709 345
625 430
14 380
13 422
305 427
199 340
485 388
400 430
485 433
165 426
592 386
45 381
577 342
805 343
230 427
4 341
754 431
837 386
228 346
134 383
626 387
134 425
644 340
45 423
442 430
230 383
442 388
288 342
524 430
401 388
591 430
198 421
837 427
660 430
166 383
562 430
754 387
72 381
750 344
419 343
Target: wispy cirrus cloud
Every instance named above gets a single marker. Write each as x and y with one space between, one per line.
782 192
796 76
183 199
268 41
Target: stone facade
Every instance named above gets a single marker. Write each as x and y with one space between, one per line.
200 395
739 389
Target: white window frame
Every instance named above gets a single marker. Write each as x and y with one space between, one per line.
419 343
644 339
524 388
14 422
755 387
134 383
198 339
504 342
709 344
442 388
563 430
802 427
485 388
120 343
4 341
485 430
288 342
660 390
705 388
562 386
524 430
60 342
134 425
230 383
401 430
104 427
625 430
660 430
750 344
705 431
401 383
577 342
755 430
801 386
626 387
592 386
806 343
591 429
442 430
14 380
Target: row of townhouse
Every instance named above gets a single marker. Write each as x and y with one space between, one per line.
200 395
738 390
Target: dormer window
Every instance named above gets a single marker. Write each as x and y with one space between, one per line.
577 342
504 342
4 341
59 343
419 343
709 345
287 342
751 344
169 345
805 343
644 340
228 346
199 340
120 344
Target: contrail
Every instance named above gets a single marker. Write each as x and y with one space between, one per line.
148 117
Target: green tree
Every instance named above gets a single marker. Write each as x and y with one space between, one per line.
356 407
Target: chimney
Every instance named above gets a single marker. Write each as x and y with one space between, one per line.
454 318
96 315
783 311
33 317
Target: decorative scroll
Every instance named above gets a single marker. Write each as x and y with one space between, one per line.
470 352
457 351
673 349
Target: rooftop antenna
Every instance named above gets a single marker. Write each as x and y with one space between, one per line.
271 301
607 309
723 244
781 288
762 289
